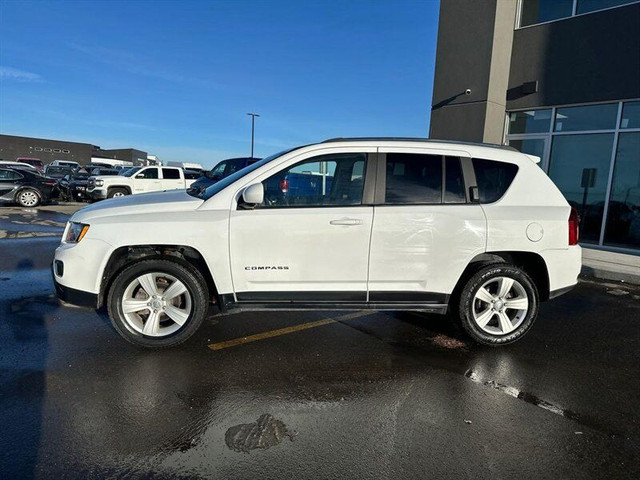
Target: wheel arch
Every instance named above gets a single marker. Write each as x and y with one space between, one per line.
121 187
122 257
532 263
22 188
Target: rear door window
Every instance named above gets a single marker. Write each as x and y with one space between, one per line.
170 174
413 179
493 178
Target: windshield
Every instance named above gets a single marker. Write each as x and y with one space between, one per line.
130 172
211 190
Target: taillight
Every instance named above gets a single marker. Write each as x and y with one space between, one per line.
284 185
51 184
574 227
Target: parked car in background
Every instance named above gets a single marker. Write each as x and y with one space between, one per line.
477 231
104 171
18 165
26 188
137 180
221 170
73 186
64 163
34 162
186 166
111 162
57 172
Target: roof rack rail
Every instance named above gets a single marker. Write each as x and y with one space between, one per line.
417 139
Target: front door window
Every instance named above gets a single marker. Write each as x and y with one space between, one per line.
331 180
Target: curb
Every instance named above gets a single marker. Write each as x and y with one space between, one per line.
604 274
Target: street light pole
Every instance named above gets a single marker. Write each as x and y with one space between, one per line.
253 119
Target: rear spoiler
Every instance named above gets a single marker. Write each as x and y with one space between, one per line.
533 158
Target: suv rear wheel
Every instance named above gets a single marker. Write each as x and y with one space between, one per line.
158 303
498 305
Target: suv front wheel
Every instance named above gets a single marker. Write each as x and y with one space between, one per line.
498 305
158 303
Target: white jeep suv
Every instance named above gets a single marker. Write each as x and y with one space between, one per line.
478 231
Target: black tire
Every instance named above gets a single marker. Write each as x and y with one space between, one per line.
188 275
21 197
468 297
114 192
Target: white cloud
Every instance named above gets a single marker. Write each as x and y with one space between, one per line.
19 75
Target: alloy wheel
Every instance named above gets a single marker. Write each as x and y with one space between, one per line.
156 304
500 306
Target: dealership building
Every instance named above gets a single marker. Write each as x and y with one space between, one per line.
559 79
13 147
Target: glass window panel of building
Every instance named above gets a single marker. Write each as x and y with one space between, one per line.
531 146
623 217
630 115
590 117
579 166
532 121
586 6
538 11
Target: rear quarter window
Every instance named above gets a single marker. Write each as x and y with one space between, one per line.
493 178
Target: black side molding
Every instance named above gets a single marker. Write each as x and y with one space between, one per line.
560 291
79 298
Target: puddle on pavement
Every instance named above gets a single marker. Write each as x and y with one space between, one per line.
617 292
264 433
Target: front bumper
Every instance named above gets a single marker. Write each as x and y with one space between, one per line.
73 296
96 194
79 194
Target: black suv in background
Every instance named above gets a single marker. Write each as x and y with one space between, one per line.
27 189
74 185
221 170
57 172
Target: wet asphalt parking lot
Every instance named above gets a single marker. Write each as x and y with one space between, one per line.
353 395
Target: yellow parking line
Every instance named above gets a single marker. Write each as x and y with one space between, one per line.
284 331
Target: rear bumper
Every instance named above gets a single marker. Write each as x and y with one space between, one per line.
73 296
561 291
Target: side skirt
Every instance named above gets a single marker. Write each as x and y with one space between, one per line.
229 304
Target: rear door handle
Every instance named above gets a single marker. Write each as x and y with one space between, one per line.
346 221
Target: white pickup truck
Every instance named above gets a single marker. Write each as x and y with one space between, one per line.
139 180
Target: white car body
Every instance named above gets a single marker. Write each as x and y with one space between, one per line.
104 186
371 255
187 165
111 162
64 163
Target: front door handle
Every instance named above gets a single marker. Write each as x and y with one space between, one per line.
346 221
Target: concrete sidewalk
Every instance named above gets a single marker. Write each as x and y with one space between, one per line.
611 266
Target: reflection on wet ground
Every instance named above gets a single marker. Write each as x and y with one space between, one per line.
48 220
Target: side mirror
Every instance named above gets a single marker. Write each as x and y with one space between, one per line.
140 175
252 195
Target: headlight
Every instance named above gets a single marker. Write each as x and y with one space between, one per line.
75 232
99 183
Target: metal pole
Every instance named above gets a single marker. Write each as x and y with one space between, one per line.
253 118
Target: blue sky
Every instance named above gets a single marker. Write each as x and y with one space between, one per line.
176 79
